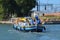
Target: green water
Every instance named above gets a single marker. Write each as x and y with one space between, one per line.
8 33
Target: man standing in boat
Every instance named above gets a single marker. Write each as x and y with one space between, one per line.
38 22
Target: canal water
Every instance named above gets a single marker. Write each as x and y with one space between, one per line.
8 33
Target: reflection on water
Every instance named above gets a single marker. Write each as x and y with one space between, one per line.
8 33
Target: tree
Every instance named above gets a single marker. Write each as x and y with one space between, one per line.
1 10
20 7
9 7
25 6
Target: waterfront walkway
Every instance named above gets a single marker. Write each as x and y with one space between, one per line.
6 22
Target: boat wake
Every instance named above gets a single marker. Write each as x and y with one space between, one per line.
13 31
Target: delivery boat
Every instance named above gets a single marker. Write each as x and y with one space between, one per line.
24 26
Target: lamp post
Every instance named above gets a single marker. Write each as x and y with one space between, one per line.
37 6
46 4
